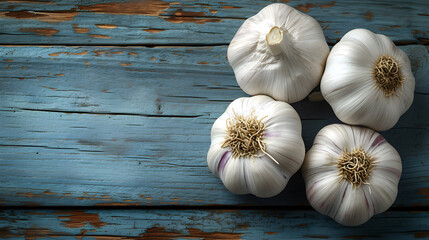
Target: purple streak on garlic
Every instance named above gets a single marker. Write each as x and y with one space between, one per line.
355 184
224 159
244 157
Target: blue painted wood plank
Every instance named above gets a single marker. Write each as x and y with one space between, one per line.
188 22
131 126
203 224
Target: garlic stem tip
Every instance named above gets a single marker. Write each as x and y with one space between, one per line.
275 36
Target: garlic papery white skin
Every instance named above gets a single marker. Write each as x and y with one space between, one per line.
256 146
351 173
279 52
368 80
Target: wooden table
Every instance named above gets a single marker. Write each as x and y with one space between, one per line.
106 109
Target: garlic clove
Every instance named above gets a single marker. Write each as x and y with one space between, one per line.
382 191
354 209
263 177
220 158
234 176
360 94
279 52
324 193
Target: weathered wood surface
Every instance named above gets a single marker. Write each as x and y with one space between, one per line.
156 22
97 124
131 126
203 224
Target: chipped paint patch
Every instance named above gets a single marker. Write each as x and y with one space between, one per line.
77 219
81 234
106 26
29 1
181 16
125 64
98 53
36 213
78 29
40 31
243 226
58 53
423 191
368 16
49 87
230 7
48 191
153 30
35 232
81 53
6 233
117 204
31 204
306 7
98 36
193 233
29 195
133 53
49 17
146 7
421 234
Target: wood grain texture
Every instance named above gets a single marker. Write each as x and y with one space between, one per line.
203 224
155 22
115 126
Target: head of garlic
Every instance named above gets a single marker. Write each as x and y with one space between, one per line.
279 52
256 146
351 173
368 80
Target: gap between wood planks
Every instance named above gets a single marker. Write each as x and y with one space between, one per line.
423 42
112 113
189 207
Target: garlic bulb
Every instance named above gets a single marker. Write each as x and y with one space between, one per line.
256 146
351 173
279 52
368 80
